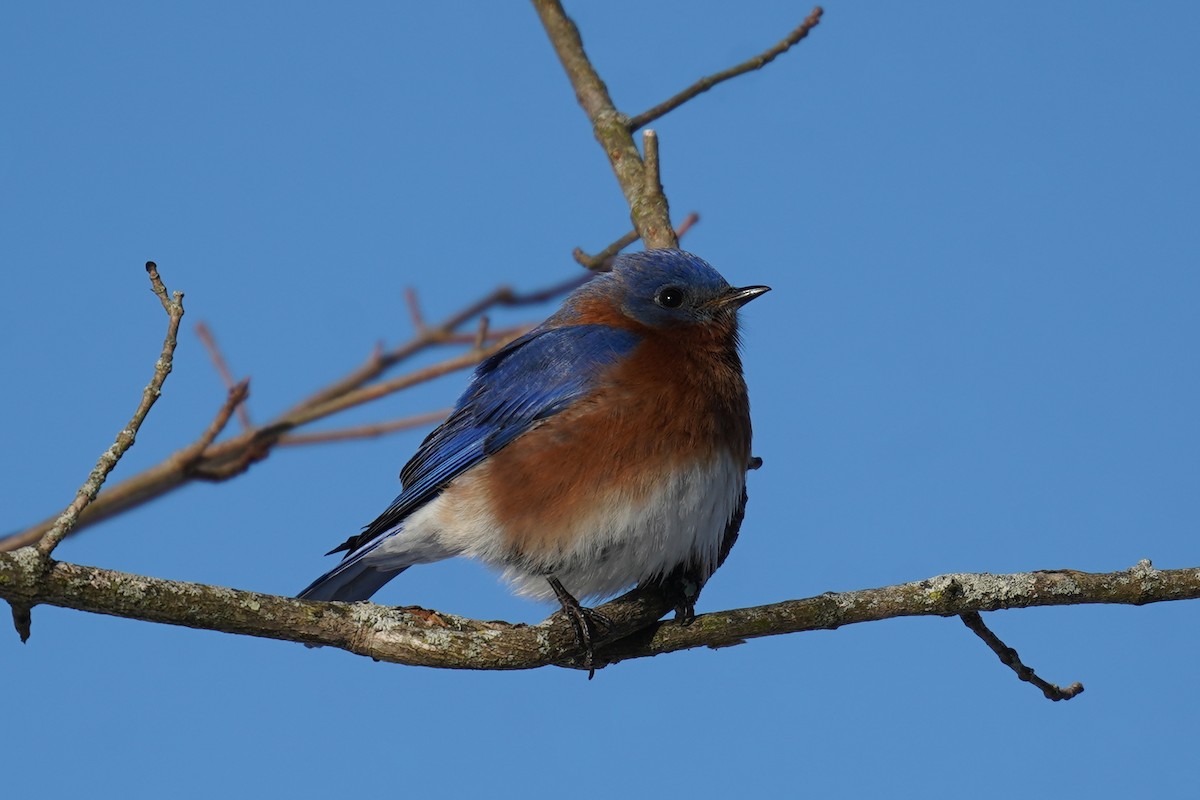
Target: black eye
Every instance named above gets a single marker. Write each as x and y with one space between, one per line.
669 297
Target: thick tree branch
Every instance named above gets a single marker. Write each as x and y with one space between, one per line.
944 595
435 639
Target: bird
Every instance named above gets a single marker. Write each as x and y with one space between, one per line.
605 448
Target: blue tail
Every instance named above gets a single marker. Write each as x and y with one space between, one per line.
349 581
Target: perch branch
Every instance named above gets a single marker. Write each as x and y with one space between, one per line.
436 639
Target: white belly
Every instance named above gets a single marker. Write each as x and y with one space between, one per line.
620 544
622 541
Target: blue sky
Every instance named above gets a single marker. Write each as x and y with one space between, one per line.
979 355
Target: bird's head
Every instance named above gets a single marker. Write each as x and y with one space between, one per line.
669 289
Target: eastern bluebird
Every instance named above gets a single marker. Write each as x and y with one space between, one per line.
605 448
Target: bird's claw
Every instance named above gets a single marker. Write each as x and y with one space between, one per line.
588 624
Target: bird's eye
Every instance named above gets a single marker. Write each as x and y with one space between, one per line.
669 297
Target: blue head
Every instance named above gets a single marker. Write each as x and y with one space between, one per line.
669 289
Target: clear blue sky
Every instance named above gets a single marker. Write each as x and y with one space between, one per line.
980 222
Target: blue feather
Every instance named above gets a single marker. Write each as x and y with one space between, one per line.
534 377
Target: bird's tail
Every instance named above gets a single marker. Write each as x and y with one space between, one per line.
349 581
363 572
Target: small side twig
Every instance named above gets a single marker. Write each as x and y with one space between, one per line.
173 305
22 614
365 431
205 335
428 335
682 228
650 160
704 84
374 391
414 310
1008 656
600 261
234 400
481 334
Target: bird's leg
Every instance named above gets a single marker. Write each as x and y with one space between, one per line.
685 608
587 623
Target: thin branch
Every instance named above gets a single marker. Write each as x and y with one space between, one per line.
438 639
481 334
205 335
688 222
600 261
414 309
224 460
704 84
1010 659
234 400
381 361
648 211
652 177
365 431
377 390
125 438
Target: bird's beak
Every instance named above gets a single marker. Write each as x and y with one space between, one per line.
736 298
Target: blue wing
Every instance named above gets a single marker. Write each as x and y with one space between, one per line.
532 378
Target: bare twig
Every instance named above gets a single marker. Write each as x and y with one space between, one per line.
224 460
652 178
234 400
648 211
69 518
481 334
381 361
600 261
375 391
414 309
1010 659
22 616
365 431
704 84
214 353
682 228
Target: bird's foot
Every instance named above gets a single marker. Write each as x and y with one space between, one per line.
588 624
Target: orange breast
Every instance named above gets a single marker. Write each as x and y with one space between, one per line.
677 401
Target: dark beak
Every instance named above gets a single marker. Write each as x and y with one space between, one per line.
736 298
